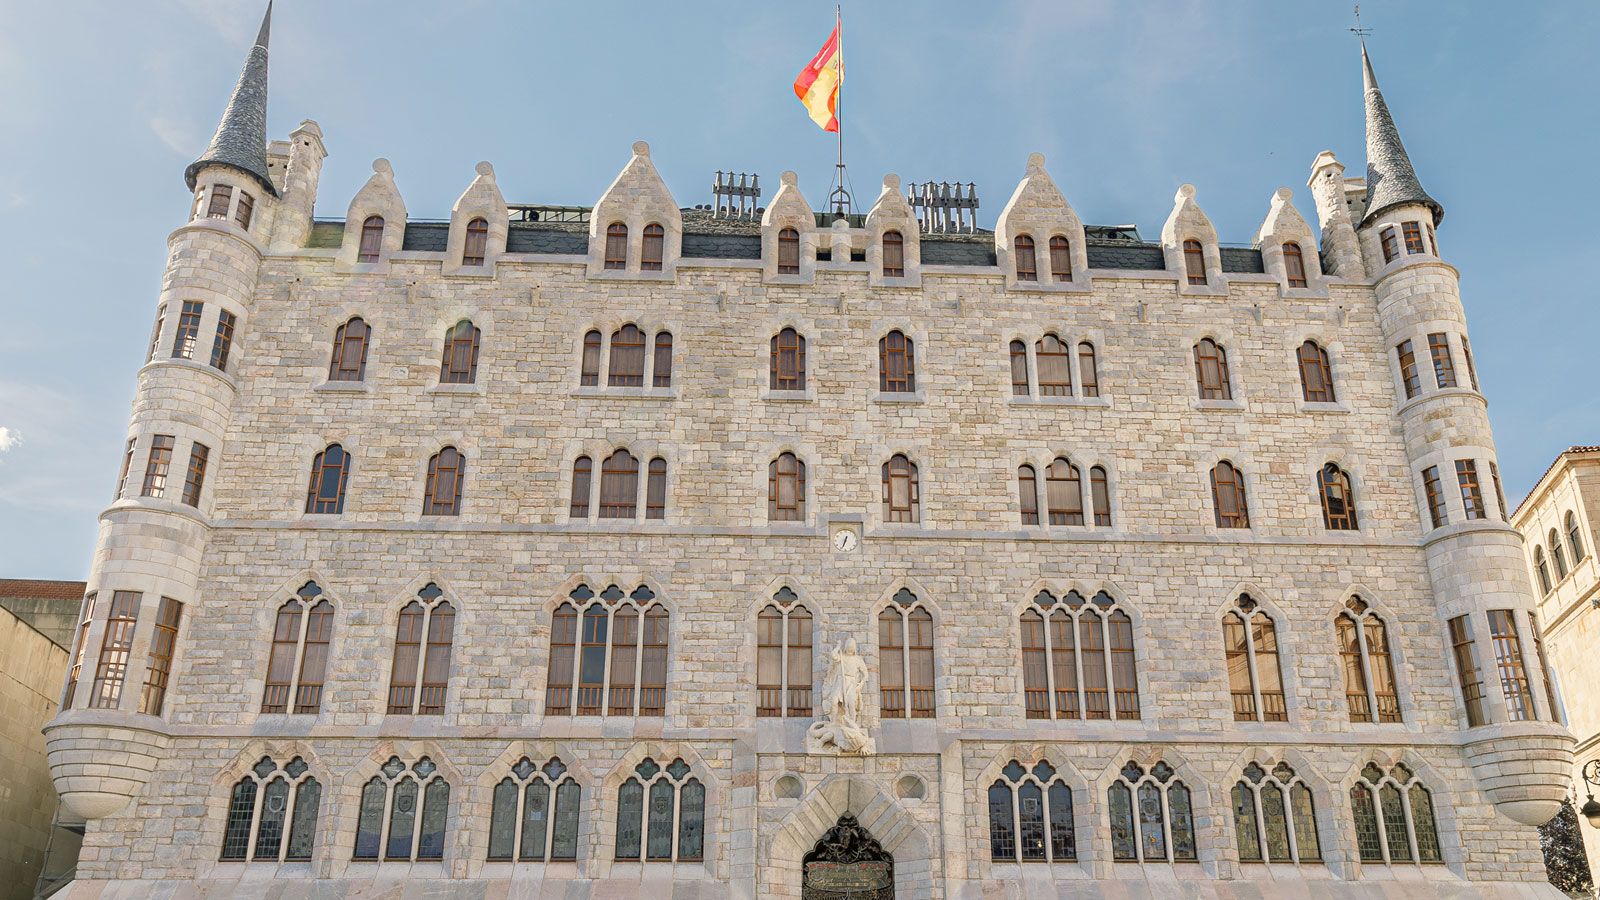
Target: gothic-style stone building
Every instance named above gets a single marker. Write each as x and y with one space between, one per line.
505 554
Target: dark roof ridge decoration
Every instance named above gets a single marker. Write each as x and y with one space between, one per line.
241 139
1391 181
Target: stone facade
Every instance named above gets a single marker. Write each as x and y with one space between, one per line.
156 775
32 671
1554 518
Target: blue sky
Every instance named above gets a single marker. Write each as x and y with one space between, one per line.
106 102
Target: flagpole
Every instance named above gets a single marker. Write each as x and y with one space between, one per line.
842 207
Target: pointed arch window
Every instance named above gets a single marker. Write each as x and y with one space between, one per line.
460 363
1211 370
1574 536
1316 376
423 639
1100 489
350 342
1030 815
1394 817
1053 357
786 489
671 827
403 812
1060 259
1228 497
1027 264
1338 498
905 658
902 501
1152 815
1028 493
608 654
788 369
1274 816
330 472
272 813
896 363
1194 262
627 357
582 475
1088 372
1019 369
1294 264
661 362
447 479
655 495
476 247
1558 555
297 667
534 816
589 363
653 247
894 255
1064 492
1255 674
1078 659
619 486
1369 683
783 657
371 240
788 252
616 246
1541 566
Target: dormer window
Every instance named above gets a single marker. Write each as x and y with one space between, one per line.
371 240
650 253
616 246
245 211
1294 265
1194 262
1027 265
788 252
221 196
894 255
477 245
1390 241
1060 259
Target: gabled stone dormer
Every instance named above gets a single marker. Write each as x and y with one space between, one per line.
1283 227
636 200
789 209
1188 222
378 197
891 214
1038 211
480 201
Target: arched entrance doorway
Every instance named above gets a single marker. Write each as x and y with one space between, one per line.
847 863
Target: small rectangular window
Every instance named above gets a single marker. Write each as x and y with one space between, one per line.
224 340
1444 369
1408 369
247 207
221 196
163 646
661 366
1466 654
1413 235
115 646
196 479
85 619
1466 354
1507 644
1391 243
655 502
1430 483
1471 494
1499 493
1433 240
127 466
155 333
188 330
155 470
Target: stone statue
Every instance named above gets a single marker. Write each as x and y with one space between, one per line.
842 728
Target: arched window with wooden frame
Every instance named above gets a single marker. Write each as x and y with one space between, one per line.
1558 555
619 486
1316 375
589 361
675 829
1100 491
661 360
1152 816
272 814
582 475
1394 817
403 813
1228 499
894 255
1028 493
534 814
330 472
1369 683
1574 536
371 248
424 636
783 657
902 501
652 248
1064 492
655 490
476 247
1019 369
1088 370
1030 815
616 246
350 343
1543 568
447 481
897 364
1078 659
1194 261
1211 370
788 361
1294 264
1053 363
788 252
1255 674
1275 817
1026 259
627 357
460 363
786 489
1338 498
608 654
1060 259
905 659
297 667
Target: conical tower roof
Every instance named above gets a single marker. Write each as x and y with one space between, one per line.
1391 181
241 138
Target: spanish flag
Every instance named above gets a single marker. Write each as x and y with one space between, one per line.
818 84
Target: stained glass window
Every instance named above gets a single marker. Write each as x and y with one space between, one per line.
272 800
674 829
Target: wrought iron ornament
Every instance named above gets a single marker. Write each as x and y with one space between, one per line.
847 863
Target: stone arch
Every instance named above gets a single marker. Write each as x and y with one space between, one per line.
477 802
913 849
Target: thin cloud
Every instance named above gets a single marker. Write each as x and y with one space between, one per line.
9 438
175 135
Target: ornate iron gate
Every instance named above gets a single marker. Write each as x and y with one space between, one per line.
848 863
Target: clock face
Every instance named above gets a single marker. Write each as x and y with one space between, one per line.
845 540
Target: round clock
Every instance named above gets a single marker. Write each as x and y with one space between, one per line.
844 539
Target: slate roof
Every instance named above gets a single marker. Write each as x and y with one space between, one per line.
241 139
1391 181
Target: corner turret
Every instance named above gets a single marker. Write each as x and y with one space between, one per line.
1391 181
241 139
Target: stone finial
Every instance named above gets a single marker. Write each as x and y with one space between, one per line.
484 169
789 178
1187 221
641 148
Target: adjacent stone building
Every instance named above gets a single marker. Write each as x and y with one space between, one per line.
519 555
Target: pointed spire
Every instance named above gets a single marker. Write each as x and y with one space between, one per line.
1391 181
241 138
